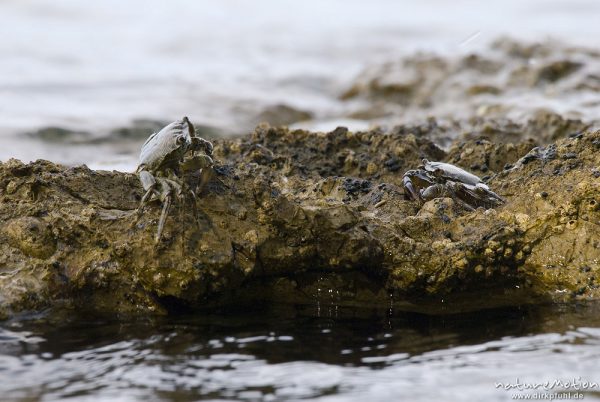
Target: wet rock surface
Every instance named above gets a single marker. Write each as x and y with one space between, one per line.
297 216
508 79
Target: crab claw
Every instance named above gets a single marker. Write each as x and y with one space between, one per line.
413 193
202 144
208 147
196 162
191 128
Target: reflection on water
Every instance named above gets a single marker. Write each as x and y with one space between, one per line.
299 352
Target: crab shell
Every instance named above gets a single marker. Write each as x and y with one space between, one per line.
451 172
168 146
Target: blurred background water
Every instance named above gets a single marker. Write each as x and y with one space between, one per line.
97 66
90 68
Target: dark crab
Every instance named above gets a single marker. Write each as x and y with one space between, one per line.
437 179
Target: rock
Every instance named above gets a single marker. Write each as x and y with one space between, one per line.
507 79
31 236
139 129
541 127
311 213
60 135
484 157
556 70
281 115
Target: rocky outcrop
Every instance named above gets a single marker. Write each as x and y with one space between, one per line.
296 216
506 80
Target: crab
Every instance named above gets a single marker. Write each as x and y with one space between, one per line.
162 164
437 179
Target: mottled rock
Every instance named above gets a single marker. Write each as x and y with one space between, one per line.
281 115
60 135
313 216
509 79
30 235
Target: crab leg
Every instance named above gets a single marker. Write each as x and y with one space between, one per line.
463 204
195 208
149 184
163 217
166 191
167 186
432 192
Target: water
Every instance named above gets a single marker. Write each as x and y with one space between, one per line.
300 352
99 65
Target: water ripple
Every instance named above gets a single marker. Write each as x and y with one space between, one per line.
295 354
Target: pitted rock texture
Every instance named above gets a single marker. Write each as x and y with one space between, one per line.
296 216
